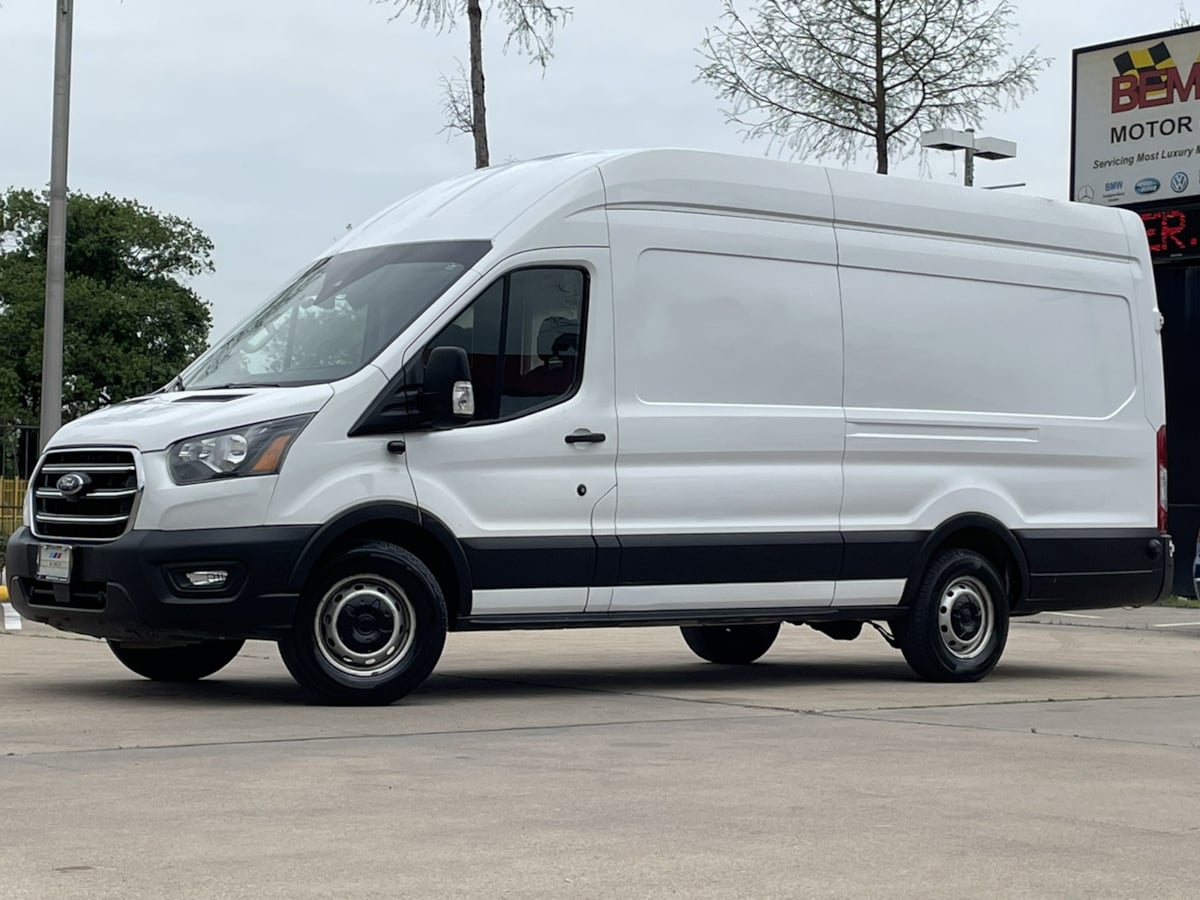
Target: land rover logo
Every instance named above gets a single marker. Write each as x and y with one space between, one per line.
72 484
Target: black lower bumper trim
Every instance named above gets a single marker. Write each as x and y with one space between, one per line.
1096 569
131 588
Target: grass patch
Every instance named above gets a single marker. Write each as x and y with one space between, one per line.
1179 602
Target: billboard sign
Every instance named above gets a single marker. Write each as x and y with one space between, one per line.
1135 130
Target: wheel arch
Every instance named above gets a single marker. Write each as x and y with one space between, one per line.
985 535
404 525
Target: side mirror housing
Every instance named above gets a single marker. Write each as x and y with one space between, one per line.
447 395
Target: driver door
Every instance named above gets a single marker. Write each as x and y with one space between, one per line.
520 482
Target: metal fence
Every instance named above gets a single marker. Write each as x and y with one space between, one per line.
18 456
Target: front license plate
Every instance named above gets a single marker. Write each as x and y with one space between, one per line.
54 562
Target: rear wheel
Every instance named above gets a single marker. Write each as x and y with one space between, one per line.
730 644
370 627
187 662
958 625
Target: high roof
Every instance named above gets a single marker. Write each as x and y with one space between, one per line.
525 198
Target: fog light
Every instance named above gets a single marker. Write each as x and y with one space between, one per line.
207 578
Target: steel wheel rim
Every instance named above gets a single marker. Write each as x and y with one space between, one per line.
966 618
365 626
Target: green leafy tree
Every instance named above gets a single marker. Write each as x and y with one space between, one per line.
131 320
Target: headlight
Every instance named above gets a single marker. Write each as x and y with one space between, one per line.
253 450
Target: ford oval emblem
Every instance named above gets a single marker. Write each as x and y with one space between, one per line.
72 484
1148 186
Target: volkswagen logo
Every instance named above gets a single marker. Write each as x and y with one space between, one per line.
1179 182
72 485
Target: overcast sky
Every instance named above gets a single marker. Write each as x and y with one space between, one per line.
273 124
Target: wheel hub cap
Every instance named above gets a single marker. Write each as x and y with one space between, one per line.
364 626
966 618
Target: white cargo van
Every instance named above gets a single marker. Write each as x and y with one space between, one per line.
633 388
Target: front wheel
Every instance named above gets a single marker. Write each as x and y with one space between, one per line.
958 624
370 627
730 644
188 662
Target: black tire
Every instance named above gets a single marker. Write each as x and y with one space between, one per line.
370 627
189 662
735 645
958 624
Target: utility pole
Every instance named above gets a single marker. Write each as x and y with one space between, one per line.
56 250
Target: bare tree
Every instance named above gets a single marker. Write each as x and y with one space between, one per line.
827 78
531 26
1183 19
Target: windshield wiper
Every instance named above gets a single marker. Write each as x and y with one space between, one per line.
238 384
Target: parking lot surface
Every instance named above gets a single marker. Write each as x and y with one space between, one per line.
614 764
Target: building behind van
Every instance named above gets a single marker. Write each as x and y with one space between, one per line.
633 388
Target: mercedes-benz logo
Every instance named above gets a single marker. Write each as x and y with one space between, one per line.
1086 194
72 485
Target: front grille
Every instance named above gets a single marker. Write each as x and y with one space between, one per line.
101 512
89 595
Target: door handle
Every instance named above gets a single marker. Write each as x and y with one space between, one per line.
583 436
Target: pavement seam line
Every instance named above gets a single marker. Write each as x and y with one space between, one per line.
991 729
312 739
817 711
1097 699
621 693
1148 627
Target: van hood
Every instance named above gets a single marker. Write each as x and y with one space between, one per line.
156 421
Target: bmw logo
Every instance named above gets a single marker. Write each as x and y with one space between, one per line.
72 484
1179 182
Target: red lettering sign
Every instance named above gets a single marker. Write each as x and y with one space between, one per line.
1172 233
1182 90
1125 94
1159 88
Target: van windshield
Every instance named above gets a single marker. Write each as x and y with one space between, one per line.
336 316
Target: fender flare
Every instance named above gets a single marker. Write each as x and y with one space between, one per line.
383 512
968 521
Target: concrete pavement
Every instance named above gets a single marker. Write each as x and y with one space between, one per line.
612 764
1145 618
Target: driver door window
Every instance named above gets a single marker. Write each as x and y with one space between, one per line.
524 340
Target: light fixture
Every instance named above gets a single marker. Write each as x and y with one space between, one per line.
982 147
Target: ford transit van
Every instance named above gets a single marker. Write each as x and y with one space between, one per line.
656 387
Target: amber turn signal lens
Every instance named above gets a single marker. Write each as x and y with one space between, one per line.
268 460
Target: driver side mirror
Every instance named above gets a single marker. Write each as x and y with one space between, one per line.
447 395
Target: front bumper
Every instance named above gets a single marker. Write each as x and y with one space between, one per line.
128 589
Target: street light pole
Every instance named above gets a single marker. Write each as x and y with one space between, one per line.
973 147
969 165
56 249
